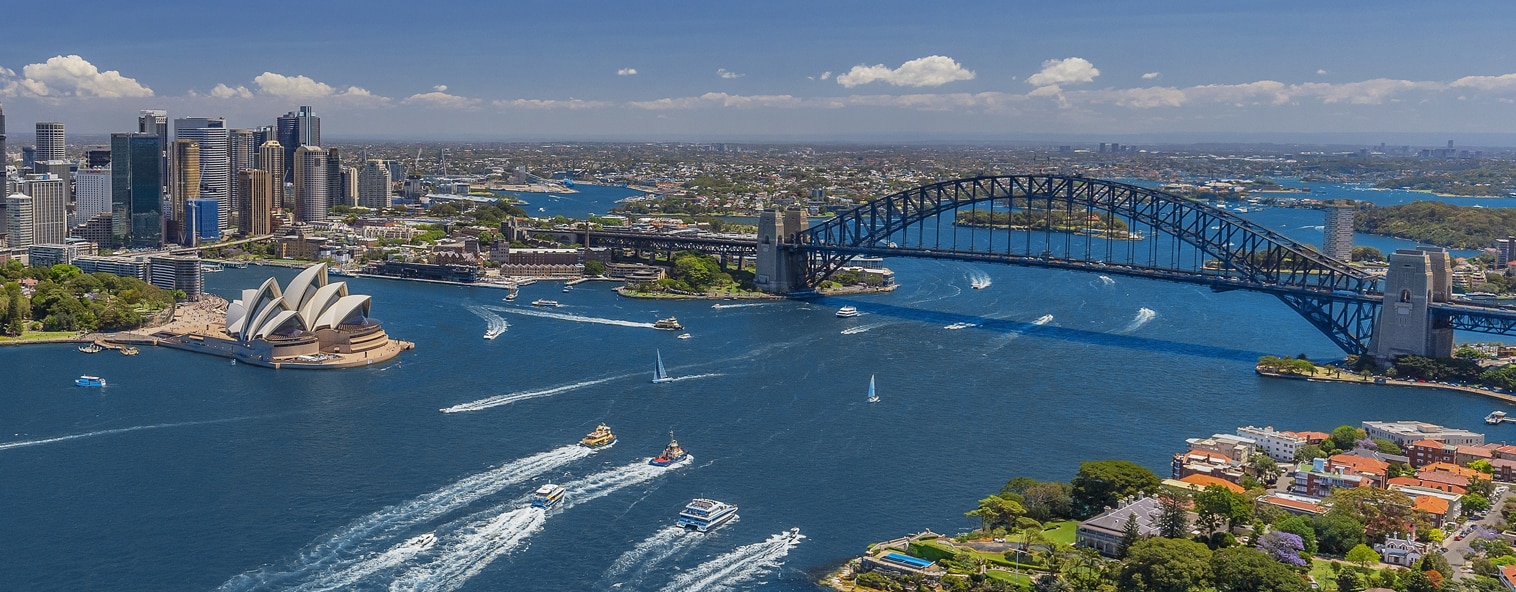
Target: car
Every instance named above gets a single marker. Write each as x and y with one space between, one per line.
1458 538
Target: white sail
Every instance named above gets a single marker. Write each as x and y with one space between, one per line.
659 374
873 398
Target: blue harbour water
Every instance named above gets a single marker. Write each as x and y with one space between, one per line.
189 474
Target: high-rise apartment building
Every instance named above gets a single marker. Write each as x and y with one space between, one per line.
4 159
1505 251
310 184
183 185
18 221
49 215
92 193
155 122
397 170
215 162
271 159
374 185
49 140
242 153
257 215
296 129
1339 231
136 191
350 186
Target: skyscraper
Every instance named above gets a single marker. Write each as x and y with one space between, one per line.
374 185
49 213
155 121
271 159
49 141
92 193
200 223
183 185
296 129
310 126
349 186
242 154
334 194
1339 231
136 191
18 221
257 187
215 162
4 160
310 184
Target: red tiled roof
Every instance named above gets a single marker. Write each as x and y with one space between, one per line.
1289 503
1479 451
1508 573
1207 481
1360 464
1432 505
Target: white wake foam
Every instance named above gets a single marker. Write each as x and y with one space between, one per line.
562 316
1144 315
979 280
499 400
495 324
394 557
739 565
342 550
633 565
1043 320
156 426
743 305
1106 280
696 376
862 328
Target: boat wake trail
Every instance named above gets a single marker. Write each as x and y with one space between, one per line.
739 565
394 557
862 328
979 280
496 323
744 305
342 552
669 543
1144 315
999 343
696 376
570 317
156 426
480 542
476 546
1105 281
499 400
1043 320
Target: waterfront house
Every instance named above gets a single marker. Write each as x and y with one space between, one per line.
1103 532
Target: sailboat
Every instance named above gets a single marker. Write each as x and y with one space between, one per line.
659 374
873 398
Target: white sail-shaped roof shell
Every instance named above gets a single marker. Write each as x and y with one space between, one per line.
305 285
278 322
342 310
252 305
309 304
317 304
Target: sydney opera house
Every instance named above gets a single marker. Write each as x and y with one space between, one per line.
308 323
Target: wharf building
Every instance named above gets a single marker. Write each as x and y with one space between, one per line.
1403 433
1339 230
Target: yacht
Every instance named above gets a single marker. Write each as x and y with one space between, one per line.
660 375
705 514
600 438
88 380
847 312
546 302
1495 417
671 454
548 496
873 398
419 543
668 324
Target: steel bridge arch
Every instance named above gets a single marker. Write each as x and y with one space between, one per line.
1339 300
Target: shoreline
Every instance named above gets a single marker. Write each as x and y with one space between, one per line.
1376 381
846 291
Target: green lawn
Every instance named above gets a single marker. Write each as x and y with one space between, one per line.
1005 576
1322 571
1060 532
37 335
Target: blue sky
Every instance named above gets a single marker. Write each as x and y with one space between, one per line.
813 70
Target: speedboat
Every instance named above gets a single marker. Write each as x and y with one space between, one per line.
684 336
546 302
794 535
847 312
706 514
548 496
671 454
668 324
600 438
419 543
88 380
567 289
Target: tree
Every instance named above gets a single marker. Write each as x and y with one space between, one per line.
1434 562
1300 526
1474 503
1130 535
1048 500
1417 581
1173 522
1362 555
1483 466
1308 452
594 268
1367 254
1265 468
1165 565
1337 533
1348 580
1345 437
1482 486
1380 511
1101 483
1388 447
1217 506
995 511
1283 547
1240 569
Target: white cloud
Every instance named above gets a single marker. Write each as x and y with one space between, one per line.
1367 92
827 74
627 72
1150 76
222 91
933 70
440 99
919 102
728 74
570 104
1486 83
303 87
1065 71
714 99
69 76
1321 72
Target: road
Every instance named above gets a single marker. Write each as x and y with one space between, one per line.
1455 550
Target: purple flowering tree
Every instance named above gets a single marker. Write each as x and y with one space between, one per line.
1283 547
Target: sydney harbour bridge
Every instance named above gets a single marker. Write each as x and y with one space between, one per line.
1092 225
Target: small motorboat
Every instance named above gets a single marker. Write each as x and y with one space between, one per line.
91 381
684 336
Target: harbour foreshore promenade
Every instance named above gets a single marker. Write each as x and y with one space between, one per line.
1383 381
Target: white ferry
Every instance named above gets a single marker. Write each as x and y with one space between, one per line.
704 514
548 496
546 302
847 312
1495 418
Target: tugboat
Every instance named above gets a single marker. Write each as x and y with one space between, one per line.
671 454
600 438
548 496
847 312
705 515
668 324
88 380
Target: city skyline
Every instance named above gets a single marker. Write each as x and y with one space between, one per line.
893 70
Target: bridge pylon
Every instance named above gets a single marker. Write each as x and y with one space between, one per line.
1417 280
781 266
